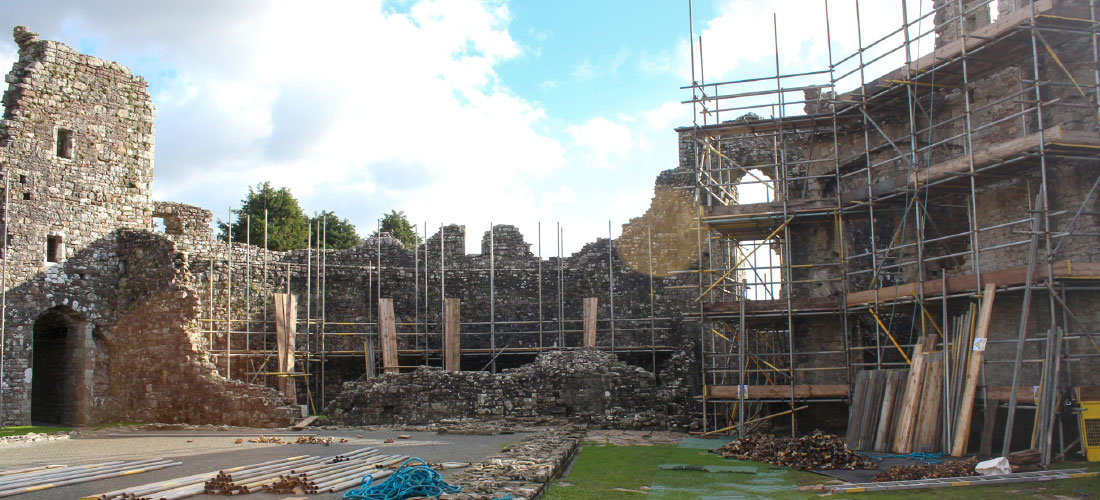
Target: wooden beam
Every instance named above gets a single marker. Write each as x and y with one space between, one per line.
452 342
973 367
590 304
779 391
1005 277
286 317
388 329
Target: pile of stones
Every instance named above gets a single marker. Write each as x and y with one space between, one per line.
585 386
523 470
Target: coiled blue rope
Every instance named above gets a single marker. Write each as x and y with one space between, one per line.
924 458
409 481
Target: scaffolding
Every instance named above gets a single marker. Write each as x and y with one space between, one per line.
879 209
239 331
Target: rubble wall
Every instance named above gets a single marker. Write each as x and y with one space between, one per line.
584 386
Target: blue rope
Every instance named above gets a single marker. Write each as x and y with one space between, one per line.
409 481
924 458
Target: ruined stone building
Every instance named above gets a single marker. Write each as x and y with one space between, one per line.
898 205
107 319
950 202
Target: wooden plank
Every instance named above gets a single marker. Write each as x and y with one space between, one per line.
859 395
306 422
590 304
974 365
926 438
286 317
907 419
452 329
886 415
387 328
779 391
871 410
986 446
1004 277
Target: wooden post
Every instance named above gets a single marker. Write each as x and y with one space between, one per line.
590 304
388 330
452 327
286 317
973 367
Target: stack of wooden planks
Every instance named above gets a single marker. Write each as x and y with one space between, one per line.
916 409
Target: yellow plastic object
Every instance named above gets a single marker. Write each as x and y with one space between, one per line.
1090 429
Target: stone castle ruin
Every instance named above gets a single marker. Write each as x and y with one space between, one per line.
108 320
943 212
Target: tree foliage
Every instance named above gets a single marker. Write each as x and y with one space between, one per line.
338 233
287 225
397 225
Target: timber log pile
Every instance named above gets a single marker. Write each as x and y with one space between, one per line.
817 451
957 468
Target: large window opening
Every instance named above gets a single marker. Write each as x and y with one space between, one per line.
762 267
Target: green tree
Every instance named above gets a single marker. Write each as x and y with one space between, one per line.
397 225
287 225
338 233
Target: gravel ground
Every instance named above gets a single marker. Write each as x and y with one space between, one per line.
204 451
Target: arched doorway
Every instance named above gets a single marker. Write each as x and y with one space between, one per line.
57 367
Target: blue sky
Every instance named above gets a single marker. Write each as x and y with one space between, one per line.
454 111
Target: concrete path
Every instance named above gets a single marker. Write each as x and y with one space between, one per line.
204 451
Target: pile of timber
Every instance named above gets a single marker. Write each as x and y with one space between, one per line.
51 476
817 451
910 410
957 468
253 478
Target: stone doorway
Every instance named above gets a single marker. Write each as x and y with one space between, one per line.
58 367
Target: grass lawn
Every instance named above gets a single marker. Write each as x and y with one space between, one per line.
27 429
599 469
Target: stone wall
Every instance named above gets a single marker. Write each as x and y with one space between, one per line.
585 386
99 316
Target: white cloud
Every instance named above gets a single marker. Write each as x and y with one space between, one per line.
602 140
669 114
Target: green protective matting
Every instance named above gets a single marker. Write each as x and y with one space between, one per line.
706 444
710 468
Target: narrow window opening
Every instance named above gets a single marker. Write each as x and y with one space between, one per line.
64 143
54 248
26 196
22 179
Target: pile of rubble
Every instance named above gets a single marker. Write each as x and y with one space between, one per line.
817 451
33 437
585 386
523 470
956 468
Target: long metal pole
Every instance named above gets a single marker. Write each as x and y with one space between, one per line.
309 297
492 299
416 297
265 280
611 283
229 297
561 292
426 349
4 290
541 345
652 307
248 281
442 289
324 289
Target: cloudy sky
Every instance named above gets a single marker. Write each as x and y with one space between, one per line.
454 111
